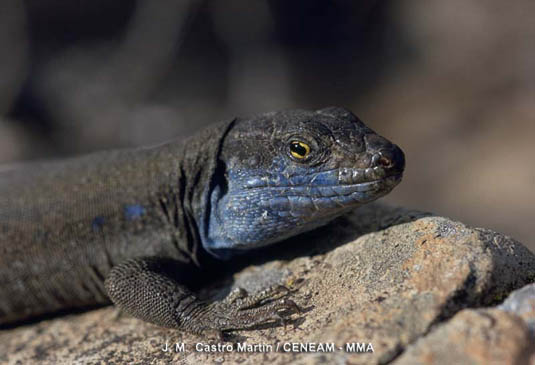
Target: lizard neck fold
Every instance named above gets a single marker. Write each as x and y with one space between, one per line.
201 172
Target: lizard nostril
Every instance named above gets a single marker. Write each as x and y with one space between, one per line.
379 159
385 162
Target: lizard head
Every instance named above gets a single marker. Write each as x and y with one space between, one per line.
287 172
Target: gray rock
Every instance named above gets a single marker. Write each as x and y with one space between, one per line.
501 335
381 278
483 336
522 303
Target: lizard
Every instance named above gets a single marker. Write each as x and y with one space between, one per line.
126 225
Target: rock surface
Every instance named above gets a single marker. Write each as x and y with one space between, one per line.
483 336
382 277
501 335
522 303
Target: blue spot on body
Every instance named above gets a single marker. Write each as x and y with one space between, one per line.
97 223
132 212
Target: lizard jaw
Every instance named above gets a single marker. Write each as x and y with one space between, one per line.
252 218
310 202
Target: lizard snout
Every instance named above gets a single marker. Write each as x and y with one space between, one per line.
385 154
392 160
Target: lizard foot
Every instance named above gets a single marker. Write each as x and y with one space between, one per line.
240 311
147 289
241 298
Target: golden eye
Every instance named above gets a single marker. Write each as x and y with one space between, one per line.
299 150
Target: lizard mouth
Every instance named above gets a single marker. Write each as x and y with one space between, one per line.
328 191
337 179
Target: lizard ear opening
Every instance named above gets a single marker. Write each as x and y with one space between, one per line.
214 199
217 190
218 186
219 180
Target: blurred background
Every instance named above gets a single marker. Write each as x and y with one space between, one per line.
451 82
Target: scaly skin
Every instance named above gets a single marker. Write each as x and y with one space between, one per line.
129 225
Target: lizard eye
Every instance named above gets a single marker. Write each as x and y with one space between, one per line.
299 150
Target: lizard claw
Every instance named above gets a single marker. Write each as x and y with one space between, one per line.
236 295
238 311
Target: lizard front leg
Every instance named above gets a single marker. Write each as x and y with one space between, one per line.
147 289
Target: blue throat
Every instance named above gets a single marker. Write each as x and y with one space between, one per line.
258 209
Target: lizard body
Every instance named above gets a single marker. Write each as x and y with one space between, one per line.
126 225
